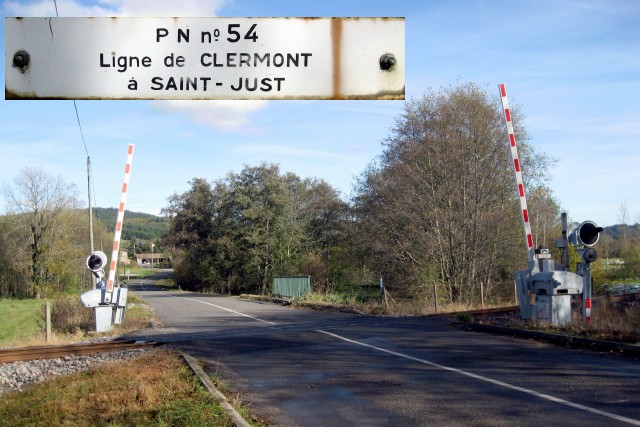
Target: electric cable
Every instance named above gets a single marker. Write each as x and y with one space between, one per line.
84 143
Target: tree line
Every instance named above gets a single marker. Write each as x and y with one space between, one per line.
44 239
436 214
138 226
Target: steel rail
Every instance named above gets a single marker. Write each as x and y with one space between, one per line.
597 300
495 310
621 298
53 351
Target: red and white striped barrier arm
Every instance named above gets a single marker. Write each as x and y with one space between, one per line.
587 309
118 232
518 171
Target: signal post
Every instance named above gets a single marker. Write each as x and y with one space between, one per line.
109 299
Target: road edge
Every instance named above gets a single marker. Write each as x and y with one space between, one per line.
619 348
237 419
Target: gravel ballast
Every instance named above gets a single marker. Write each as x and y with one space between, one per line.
14 376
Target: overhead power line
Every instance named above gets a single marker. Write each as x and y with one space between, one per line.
80 126
91 188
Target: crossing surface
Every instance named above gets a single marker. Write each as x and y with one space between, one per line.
304 368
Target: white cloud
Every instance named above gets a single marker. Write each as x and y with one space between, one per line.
221 115
115 8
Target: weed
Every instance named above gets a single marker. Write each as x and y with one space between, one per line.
68 315
619 322
464 318
236 402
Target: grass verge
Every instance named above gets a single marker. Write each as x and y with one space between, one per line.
136 273
22 321
236 401
616 322
155 389
371 304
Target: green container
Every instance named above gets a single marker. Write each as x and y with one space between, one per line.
291 286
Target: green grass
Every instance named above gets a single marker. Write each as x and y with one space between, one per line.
20 320
137 316
135 272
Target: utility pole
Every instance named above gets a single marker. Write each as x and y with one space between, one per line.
90 211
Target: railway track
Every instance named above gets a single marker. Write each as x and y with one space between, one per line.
478 312
50 352
53 351
621 298
503 310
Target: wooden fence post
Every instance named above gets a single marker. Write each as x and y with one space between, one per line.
47 316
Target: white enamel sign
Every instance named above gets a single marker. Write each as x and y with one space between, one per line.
204 58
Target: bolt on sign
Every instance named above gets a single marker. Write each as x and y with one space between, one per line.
204 58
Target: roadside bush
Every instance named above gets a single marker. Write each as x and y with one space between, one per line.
68 315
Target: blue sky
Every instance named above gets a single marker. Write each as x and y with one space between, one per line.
572 66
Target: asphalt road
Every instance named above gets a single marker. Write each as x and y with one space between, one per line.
304 368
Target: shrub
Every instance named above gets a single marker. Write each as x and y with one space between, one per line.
68 315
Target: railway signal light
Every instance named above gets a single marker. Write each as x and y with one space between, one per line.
96 262
551 286
109 300
590 255
584 234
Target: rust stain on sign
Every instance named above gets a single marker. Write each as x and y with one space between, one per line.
336 46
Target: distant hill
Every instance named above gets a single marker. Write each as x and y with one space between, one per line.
136 225
616 231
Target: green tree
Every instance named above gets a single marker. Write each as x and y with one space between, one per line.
269 231
234 236
327 256
191 223
13 268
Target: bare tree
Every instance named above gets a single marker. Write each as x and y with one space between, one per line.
441 205
36 201
545 214
623 218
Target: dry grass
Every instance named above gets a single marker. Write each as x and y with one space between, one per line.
390 306
154 389
406 307
68 315
616 322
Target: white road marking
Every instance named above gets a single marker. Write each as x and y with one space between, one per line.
213 305
489 380
226 309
